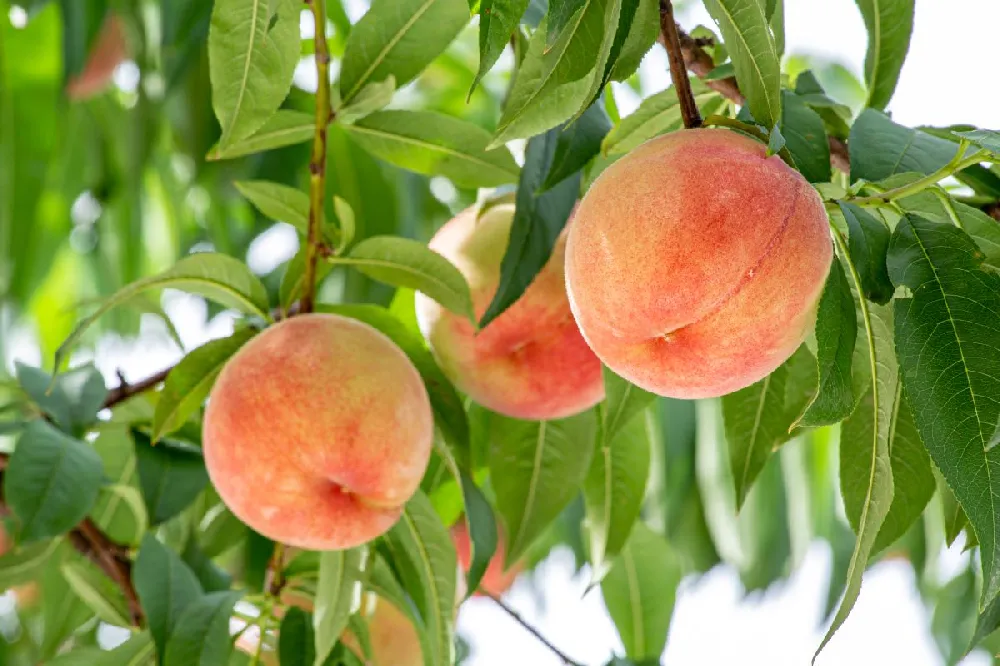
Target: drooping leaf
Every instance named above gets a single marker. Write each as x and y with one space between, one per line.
868 241
578 144
278 202
805 137
536 467
171 474
481 526
889 24
948 344
51 481
398 38
201 634
498 19
435 144
296 639
284 128
339 571
658 114
253 47
881 148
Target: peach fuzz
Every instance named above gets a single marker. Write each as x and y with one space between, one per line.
317 432
495 580
695 264
530 362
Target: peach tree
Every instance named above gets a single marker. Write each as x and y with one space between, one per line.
753 312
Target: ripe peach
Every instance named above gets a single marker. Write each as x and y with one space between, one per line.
109 50
317 432
530 362
495 581
394 640
695 264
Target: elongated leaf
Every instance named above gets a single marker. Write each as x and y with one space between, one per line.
201 635
538 220
284 128
948 344
869 243
296 642
166 587
253 47
425 558
889 24
481 526
189 383
402 262
215 276
339 571
51 481
623 401
836 333
119 511
398 38
805 137
97 591
881 148
640 591
658 114
751 46
278 202
498 19
435 144
373 97
24 562
578 144
171 475
536 468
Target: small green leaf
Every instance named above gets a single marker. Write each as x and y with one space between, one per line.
171 475
166 587
284 128
278 202
345 222
751 46
253 48
398 38
97 591
658 114
988 139
889 24
72 399
51 482
191 380
435 144
498 20
775 141
640 590
371 98
339 571
868 241
402 262
536 468
201 635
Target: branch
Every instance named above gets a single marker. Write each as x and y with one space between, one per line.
678 72
124 390
317 163
534 632
701 64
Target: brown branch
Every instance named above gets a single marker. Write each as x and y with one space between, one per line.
678 70
993 210
531 630
124 390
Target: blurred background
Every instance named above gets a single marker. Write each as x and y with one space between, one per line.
99 192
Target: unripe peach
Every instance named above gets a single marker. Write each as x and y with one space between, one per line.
695 264
495 580
109 50
530 362
317 432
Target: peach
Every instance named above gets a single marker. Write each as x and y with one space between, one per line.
317 432
695 264
530 362
394 640
109 50
495 580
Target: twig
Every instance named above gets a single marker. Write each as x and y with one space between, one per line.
124 390
534 632
678 70
993 210
317 163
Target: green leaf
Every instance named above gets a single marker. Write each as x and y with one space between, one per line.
284 128
339 571
371 98
836 333
912 478
536 468
881 148
345 222
295 638
253 48
775 141
578 144
889 24
166 587
72 399
82 24
191 380
278 202
171 475
498 20
560 14
201 635
435 144
640 590
988 139
538 220
482 528
398 38
97 591
948 344
805 137
119 511
211 577
658 114
402 262
868 242
24 562
425 559
615 487
51 481
218 277
638 26
865 466
623 402
751 46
